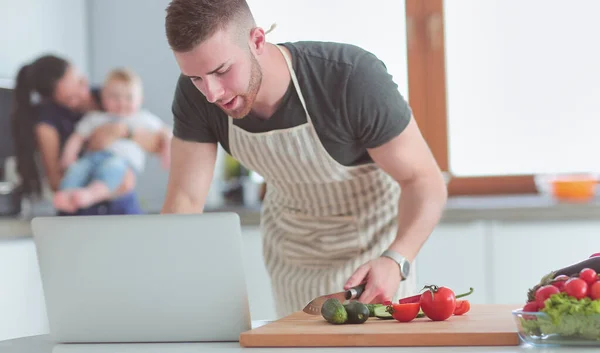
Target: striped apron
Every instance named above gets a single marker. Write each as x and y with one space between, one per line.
320 220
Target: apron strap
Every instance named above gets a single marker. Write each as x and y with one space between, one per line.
295 81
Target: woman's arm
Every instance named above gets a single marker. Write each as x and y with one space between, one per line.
71 150
49 147
150 141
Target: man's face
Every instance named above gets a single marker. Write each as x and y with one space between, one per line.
225 71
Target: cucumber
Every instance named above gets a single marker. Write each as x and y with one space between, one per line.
372 309
334 312
381 313
420 314
358 312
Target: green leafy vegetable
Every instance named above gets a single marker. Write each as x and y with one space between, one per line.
566 316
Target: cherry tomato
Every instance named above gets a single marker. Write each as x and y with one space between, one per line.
543 293
404 312
577 288
531 307
462 307
559 282
588 275
438 303
595 291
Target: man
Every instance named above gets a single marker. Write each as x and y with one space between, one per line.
326 127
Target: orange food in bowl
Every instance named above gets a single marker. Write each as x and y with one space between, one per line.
581 189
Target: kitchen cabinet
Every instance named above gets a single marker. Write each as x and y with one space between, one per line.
526 251
456 255
22 307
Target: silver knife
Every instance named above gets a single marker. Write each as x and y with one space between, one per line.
314 307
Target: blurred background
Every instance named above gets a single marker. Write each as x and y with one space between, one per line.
504 91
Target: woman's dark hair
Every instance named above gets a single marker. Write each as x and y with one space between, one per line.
38 78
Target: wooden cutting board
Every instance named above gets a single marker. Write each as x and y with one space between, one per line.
484 325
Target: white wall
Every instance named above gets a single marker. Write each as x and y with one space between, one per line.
29 28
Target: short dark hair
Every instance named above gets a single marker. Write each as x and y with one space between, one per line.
190 22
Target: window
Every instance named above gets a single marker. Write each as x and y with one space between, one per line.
505 89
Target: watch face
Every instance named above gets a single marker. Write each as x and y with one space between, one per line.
405 269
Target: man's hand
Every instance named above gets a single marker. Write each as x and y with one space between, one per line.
106 134
382 276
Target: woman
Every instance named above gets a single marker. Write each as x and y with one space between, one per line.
50 97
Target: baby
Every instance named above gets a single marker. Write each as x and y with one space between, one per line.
98 174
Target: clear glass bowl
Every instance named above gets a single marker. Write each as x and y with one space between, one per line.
538 329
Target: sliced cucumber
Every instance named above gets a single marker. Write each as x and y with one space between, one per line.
381 313
372 308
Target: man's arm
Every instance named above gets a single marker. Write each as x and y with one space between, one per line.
192 168
382 121
409 161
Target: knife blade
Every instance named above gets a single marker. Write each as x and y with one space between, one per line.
314 307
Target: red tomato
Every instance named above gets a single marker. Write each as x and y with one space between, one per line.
577 288
531 307
438 303
588 275
544 293
559 282
462 307
404 312
595 291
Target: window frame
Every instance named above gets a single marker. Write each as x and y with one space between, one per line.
428 99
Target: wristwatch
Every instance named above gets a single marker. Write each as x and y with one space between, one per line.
401 261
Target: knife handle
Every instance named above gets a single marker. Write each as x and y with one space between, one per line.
355 292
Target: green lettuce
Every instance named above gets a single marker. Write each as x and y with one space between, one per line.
567 317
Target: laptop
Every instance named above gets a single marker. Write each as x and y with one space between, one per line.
143 278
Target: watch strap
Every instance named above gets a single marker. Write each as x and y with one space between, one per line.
399 259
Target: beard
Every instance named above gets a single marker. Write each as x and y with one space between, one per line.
247 98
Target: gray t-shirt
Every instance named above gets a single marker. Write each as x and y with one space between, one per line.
125 148
352 100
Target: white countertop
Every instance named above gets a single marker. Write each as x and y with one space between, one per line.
43 344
